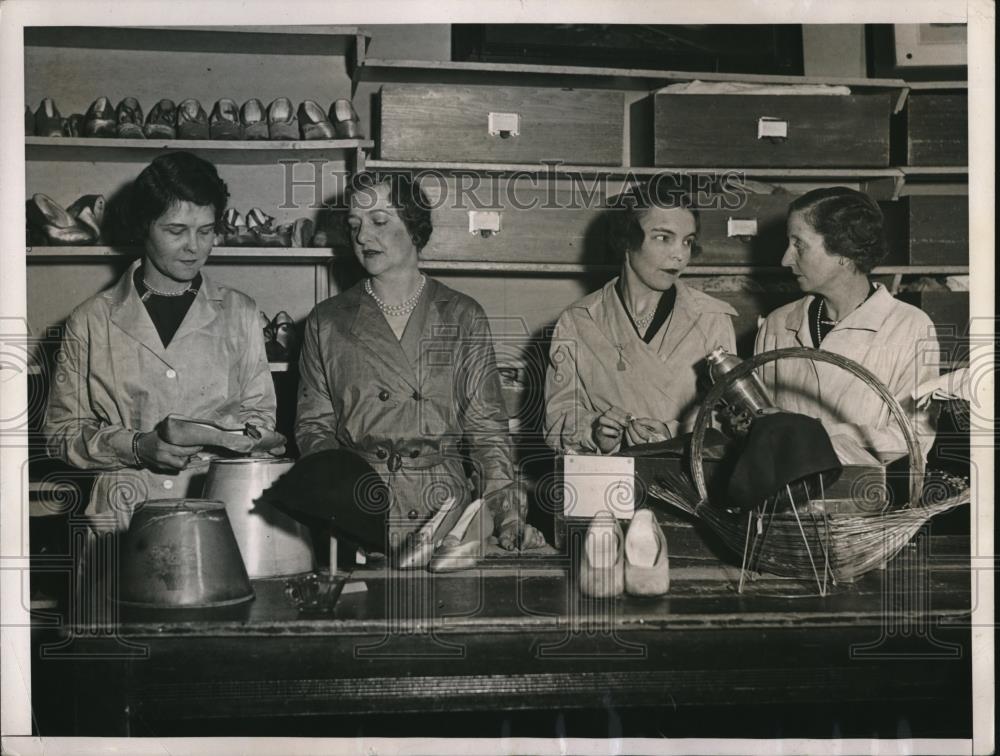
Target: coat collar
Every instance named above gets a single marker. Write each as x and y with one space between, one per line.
870 316
372 330
130 315
603 308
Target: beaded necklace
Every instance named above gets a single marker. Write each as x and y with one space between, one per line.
403 308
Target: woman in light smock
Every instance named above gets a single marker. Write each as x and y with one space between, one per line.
164 340
624 362
835 238
400 369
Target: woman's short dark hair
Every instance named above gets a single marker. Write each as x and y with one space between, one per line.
169 179
405 194
849 221
625 233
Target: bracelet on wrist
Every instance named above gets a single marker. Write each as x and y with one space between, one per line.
135 450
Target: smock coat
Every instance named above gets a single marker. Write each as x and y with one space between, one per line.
895 341
597 360
409 405
114 377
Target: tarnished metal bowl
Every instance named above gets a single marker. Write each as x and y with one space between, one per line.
181 553
271 542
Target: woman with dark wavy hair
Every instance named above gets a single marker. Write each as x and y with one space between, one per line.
835 239
624 361
166 339
400 370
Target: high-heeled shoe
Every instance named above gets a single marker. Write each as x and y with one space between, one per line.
345 120
161 123
466 543
55 223
99 120
284 333
418 548
261 229
602 568
313 122
647 569
254 119
192 121
224 123
89 211
281 120
73 125
29 122
128 116
48 120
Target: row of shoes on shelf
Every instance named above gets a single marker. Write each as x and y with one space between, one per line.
79 224
280 340
258 229
636 563
82 223
228 121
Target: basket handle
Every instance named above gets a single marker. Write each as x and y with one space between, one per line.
817 355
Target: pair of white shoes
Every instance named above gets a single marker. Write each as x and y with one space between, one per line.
612 563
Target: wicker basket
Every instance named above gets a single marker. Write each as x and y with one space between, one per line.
810 542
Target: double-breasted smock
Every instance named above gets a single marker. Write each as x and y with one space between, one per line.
419 409
114 378
895 341
597 360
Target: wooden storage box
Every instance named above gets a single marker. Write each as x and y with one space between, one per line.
744 229
949 311
938 230
487 124
937 128
520 219
729 130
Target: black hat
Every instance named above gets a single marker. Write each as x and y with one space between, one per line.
782 448
337 490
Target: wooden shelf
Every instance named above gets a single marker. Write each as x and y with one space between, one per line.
624 170
328 254
227 254
470 266
370 67
262 145
925 85
916 171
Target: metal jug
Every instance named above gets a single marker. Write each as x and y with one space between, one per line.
181 554
271 542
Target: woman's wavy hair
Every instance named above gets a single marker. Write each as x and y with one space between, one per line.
405 194
849 221
169 179
624 232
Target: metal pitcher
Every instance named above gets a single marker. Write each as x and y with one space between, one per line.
181 554
271 542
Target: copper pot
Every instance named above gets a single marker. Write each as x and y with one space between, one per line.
181 553
271 542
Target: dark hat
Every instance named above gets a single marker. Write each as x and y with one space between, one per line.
337 490
781 448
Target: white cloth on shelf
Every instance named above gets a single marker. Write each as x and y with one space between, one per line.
750 88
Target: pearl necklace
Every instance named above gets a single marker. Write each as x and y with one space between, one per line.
821 319
403 308
158 293
643 323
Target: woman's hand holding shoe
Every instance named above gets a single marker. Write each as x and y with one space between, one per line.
646 430
270 442
154 453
